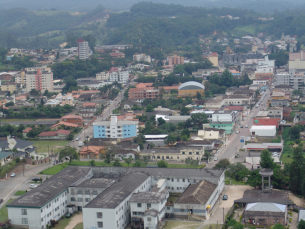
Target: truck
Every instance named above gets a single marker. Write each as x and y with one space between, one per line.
80 143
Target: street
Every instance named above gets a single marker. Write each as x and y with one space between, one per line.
233 144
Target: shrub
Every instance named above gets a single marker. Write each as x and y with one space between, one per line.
17 160
202 166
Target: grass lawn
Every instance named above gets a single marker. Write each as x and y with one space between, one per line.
20 193
173 197
4 213
57 168
42 146
181 225
285 159
212 226
234 182
79 226
63 223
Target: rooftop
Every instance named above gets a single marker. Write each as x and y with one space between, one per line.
263 207
94 183
148 197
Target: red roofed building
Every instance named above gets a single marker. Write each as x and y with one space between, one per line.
144 85
54 135
143 93
89 104
234 108
64 124
75 119
26 131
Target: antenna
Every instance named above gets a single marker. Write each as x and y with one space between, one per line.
140 47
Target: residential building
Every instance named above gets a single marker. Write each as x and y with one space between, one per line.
26 131
297 60
265 213
239 100
213 57
9 86
40 79
224 119
260 82
83 49
215 103
175 60
212 133
107 195
141 57
143 93
190 88
74 119
117 54
279 103
102 76
115 129
275 112
291 78
287 111
266 62
119 76
54 135
92 152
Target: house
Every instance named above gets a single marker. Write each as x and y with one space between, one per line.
275 112
279 103
265 214
64 124
215 103
224 119
85 97
237 99
26 131
123 154
287 111
301 215
54 135
92 152
74 119
302 135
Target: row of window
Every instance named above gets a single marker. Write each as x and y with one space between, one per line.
87 192
80 199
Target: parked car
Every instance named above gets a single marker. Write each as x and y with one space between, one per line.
215 159
33 186
241 126
225 197
36 179
1 200
237 131
68 215
13 174
246 126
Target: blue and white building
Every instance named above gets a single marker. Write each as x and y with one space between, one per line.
115 128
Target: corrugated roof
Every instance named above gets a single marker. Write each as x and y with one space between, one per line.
263 207
191 85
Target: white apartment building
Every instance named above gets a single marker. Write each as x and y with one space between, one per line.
102 76
120 76
142 57
291 78
224 116
266 61
83 50
40 78
108 196
264 69
260 82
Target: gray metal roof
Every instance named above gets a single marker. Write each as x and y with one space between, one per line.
266 207
148 197
301 215
94 183
191 85
151 212
5 154
51 187
115 194
22 144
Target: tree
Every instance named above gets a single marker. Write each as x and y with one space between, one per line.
149 108
70 137
301 224
109 154
70 153
294 131
188 162
34 92
161 121
117 163
151 145
255 179
145 160
198 119
297 169
92 163
278 226
266 162
137 163
128 160
185 132
237 171
162 164
184 110
222 164
170 140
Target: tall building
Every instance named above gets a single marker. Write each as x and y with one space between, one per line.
119 76
175 60
115 129
291 78
83 49
40 79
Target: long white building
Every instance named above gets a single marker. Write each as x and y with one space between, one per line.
111 196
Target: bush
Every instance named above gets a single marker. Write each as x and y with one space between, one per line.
202 166
232 222
295 210
17 160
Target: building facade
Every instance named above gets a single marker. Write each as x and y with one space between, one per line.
175 60
83 49
40 79
224 119
119 76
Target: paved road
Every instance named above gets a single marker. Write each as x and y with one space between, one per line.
233 145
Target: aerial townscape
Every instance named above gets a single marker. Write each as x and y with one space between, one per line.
152 115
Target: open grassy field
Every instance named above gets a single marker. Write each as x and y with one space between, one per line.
4 213
42 146
57 168
20 193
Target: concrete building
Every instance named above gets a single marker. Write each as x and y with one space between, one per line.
215 103
9 86
279 103
275 112
40 79
291 78
141 57
119 76
265 214
263 131
297 60
212 133
224 119
102 76
83 49
175 60
190 88
106 196
115 129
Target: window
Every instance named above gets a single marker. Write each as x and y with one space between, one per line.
197 153
177 179
183 152
99 214
72 199
24 212
168 208
24 221
139 205
261 220
94 193
87 192
135 213
149 205
190 153
87 199
148 219
100 224
79 192
80 199
41 219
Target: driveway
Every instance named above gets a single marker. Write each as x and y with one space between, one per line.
78 218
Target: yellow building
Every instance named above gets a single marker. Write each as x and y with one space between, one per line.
190 89
9 86
278 95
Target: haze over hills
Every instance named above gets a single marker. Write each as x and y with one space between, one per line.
119 5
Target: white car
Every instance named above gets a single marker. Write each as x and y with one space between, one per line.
215 159
33 186
13 174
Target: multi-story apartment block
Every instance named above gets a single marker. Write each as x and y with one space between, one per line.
119 76
224 119
143 93
115 128
291 78
83 49
175 60
40 79
9 86
102 76
142 57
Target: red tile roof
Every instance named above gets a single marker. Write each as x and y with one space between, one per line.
236 108
72 116
89 104
53 133
27 130
64 124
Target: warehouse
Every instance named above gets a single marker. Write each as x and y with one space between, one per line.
263 131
